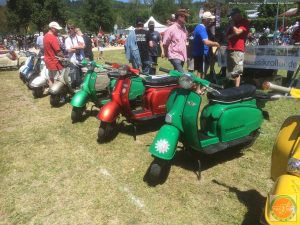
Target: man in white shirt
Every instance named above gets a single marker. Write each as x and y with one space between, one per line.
74 45
40 41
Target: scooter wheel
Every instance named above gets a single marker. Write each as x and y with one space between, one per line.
37 92
158 171
54 100
106 131
76 114
22 78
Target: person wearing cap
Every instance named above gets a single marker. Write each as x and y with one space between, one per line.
236 36
142 40
201 45
174 40
51 50
136 47
155 45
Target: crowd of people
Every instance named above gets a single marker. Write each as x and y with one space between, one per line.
173 44
143 47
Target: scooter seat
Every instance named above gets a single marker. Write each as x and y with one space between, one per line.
234 94
161 82
113 74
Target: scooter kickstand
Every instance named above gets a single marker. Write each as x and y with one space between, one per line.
134 131
199 169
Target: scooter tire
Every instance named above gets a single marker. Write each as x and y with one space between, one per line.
22 78
76 114
29 81
106 131
37 92
54 100
158 171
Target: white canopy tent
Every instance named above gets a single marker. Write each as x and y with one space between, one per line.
157 26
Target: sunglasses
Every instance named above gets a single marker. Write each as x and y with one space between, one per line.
70 28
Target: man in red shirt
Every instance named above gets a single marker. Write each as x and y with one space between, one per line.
236 36
51 50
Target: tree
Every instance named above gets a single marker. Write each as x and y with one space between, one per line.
22 13
18 14
98 13
45 11
162 9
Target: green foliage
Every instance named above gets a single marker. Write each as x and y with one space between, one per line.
163 9
23 13
98 13
269 10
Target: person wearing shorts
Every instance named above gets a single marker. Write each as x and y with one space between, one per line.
236 37
52 49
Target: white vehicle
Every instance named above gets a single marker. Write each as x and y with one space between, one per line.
39 83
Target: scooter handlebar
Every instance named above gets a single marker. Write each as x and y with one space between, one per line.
212 85
268 85
164 70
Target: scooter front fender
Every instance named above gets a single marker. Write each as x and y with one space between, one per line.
282 204
165 143
38 82
56 88
79 99
109 112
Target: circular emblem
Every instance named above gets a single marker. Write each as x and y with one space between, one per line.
162 146
283 208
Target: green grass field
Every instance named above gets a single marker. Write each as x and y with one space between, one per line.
55 172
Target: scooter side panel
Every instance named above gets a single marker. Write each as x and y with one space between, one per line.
283 202
80 99
109 112
56 88
190 119
286 140
165 143
39 81
137 88
157 99
239 122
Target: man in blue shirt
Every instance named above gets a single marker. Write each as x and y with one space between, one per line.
201 45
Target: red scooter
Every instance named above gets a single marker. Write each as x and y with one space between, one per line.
154 90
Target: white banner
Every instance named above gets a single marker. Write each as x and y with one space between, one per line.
267 57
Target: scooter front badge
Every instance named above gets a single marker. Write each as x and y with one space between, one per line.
162 146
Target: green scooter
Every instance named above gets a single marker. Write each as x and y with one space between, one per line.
231 118
97 85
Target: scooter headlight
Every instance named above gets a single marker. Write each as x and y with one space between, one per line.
123 70
90 66
186 81
294 166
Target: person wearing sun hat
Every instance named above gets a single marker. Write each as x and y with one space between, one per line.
51 50
201 44
236 36
174 40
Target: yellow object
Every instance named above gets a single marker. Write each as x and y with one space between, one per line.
282 205
287 141
295 92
